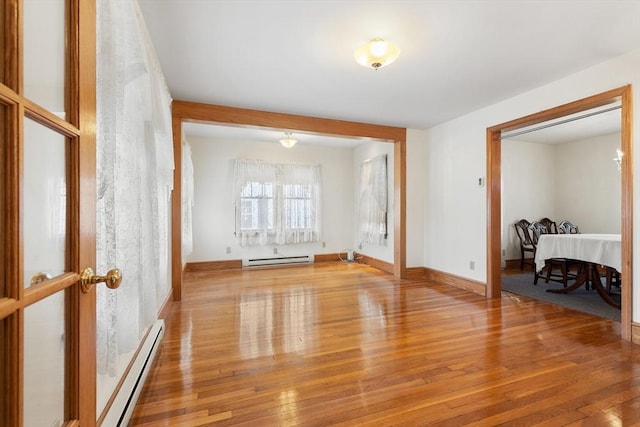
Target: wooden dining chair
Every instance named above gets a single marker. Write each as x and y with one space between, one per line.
526 244
549 272
550 225
566 227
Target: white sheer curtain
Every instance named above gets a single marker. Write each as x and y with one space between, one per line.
187 199
134 178
372 224
277 203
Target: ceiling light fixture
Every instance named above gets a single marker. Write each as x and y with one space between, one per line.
376 53
287 141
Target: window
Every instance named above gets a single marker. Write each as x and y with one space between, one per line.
276 203
256 207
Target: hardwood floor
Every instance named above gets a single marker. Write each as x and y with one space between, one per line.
345 344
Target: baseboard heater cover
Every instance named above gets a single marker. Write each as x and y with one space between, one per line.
288 260
121 409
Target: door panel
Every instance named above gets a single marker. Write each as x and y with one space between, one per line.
45 203
3 198
45 361
44 49
3 372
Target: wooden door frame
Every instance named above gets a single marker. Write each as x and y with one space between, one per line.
184 111
494 198
83 89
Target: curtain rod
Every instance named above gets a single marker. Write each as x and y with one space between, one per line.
548 125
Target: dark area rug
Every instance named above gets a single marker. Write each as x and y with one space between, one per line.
587 301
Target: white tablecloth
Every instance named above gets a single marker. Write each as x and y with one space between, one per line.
604 249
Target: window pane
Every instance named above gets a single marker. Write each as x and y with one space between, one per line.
256 207
266 214
45 202
246 191
246 214
298 207
44 362
44 53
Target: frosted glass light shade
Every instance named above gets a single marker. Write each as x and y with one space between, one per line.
288 142
377 53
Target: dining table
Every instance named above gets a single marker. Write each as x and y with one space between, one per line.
593 250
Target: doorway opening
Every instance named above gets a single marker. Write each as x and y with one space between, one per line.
620 96
204 113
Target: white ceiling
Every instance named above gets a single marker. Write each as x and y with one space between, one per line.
457 56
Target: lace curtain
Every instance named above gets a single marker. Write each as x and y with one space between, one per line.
134 178
372 224
277 203
187 199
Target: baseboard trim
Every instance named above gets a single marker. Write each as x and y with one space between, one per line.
121 404
457 281
165 308
635 332
416 273
375 263
233 264
330 257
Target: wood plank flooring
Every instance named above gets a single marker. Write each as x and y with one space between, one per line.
345 344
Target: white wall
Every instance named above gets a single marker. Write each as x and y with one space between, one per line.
213 212
588 188
360 154
455 213
528 188
455 228
415 207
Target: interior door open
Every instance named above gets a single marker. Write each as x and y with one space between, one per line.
47 212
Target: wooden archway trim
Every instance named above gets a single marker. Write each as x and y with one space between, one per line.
184 111
494 197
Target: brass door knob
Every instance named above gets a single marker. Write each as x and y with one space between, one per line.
87 279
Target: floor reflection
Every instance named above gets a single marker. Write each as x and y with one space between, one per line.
276 322
256 324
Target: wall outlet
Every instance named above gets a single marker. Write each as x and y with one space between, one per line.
472 265
228 249
275 251
324 244
360 246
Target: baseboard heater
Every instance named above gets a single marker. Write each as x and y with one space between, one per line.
124 403
283 260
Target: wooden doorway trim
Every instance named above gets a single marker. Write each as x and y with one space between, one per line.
494 197
184 111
